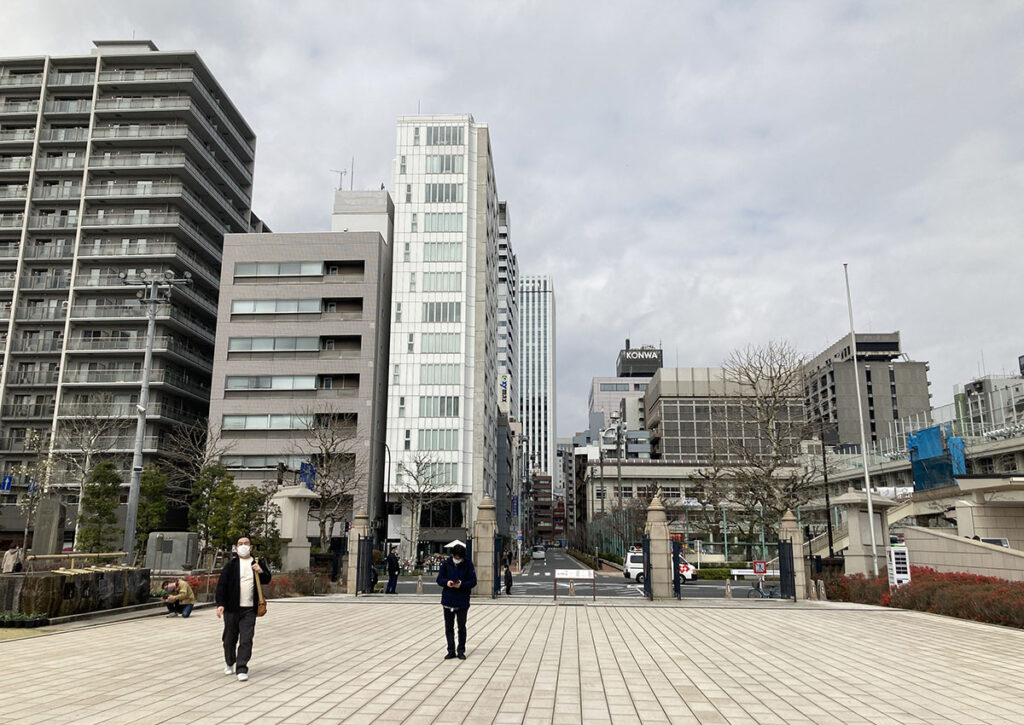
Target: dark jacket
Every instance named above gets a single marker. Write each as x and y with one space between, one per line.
508 577
228 593
450 571
393 567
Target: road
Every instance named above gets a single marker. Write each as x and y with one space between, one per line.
537 581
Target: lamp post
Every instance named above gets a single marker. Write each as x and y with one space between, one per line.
156 290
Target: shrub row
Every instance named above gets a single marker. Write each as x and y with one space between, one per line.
713 573
580 557
966 596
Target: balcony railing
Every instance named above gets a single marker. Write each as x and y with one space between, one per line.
143 103
16 163
123 191
115 443
11 220
79 106
9 250
149 74
57 192
27 410
33 377
49 345
40 313
54 163
49 281
134 377
19 107
141 131
49 251
120 220
20 80
81 78
138 344
64 134
17 134
123 312
123 410
13 191
53 221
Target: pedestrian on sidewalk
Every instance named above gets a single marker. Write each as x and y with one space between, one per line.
508 580
236 603
393 569
180 598
456 578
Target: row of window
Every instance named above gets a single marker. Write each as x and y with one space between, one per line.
438 440
429 473
270 421
442 193
270 382
439 406
279 269
444 164
440 342
442 251
441 281
440 135
291 463
272 344
439 222
441 312
439 374
266 307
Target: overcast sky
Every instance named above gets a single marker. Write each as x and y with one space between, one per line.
692 174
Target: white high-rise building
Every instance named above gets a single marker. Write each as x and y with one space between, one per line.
537 370
508 319
443 375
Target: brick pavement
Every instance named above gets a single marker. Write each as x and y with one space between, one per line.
338 659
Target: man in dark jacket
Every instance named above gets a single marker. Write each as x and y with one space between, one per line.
456 578
393 568
236 603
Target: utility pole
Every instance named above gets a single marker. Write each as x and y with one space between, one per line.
828 503
156 290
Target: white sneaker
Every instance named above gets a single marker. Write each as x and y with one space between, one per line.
242 676
229 670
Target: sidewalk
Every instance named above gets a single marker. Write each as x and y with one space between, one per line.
371 659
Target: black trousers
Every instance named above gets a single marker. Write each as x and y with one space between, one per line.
450 616
508 589
239 628
392 587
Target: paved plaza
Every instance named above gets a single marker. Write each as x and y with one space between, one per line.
341 659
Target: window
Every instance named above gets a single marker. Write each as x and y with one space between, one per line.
437 440
416 136
273 344
440 342
412 282
267 422
401 406
395 372
414 223
442 193
444 164
408 193
442 312
408 440
443 136
278 269
411 345
434 374
270 382
442 251
401 166
398 312
326 382
291 463
439 406
407 252
271 307
442 222
442 281
614 387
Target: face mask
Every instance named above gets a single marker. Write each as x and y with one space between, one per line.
457 559
243 550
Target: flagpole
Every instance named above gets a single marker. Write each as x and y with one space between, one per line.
860 418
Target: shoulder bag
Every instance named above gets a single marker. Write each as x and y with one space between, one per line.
261 604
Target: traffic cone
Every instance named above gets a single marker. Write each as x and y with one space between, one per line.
419 584
728 590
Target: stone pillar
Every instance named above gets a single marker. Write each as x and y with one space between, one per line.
485 528
360 527
294 504
858 555
48 527
660 549
789 529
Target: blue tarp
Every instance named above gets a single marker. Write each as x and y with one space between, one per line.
936 457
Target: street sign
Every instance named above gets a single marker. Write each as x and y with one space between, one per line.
515 506
574 573
307 474
760 567
6 483
520 537
899 566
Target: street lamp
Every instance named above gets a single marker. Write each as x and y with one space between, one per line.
156 290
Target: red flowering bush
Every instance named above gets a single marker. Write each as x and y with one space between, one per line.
292 584
966 596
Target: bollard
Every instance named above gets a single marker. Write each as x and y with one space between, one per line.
728 590
821 591
419 584
812 591
572 588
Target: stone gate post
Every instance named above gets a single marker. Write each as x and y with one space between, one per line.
360 527
660 548
789 529
484 530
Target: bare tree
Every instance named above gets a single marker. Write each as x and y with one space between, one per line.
37 474
190 448
332 444
420 484
84 438
768 471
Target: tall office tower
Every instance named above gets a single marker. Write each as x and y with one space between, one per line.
127 161
537 370
508 319
892 387
301 360
443 396
623 395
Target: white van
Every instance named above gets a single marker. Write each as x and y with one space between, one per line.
538 552
633 566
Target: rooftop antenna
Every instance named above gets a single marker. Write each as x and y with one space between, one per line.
341 177
352 176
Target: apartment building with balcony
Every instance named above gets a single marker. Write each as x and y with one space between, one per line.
300 365
124 162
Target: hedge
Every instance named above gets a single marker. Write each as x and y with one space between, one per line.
712 573
965 596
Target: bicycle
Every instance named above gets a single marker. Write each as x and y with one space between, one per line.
757 591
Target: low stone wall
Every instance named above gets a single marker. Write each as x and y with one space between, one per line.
952 553
63 593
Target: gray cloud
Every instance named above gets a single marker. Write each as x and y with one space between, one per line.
689 174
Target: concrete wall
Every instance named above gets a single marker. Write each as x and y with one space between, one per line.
992 520
951 553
